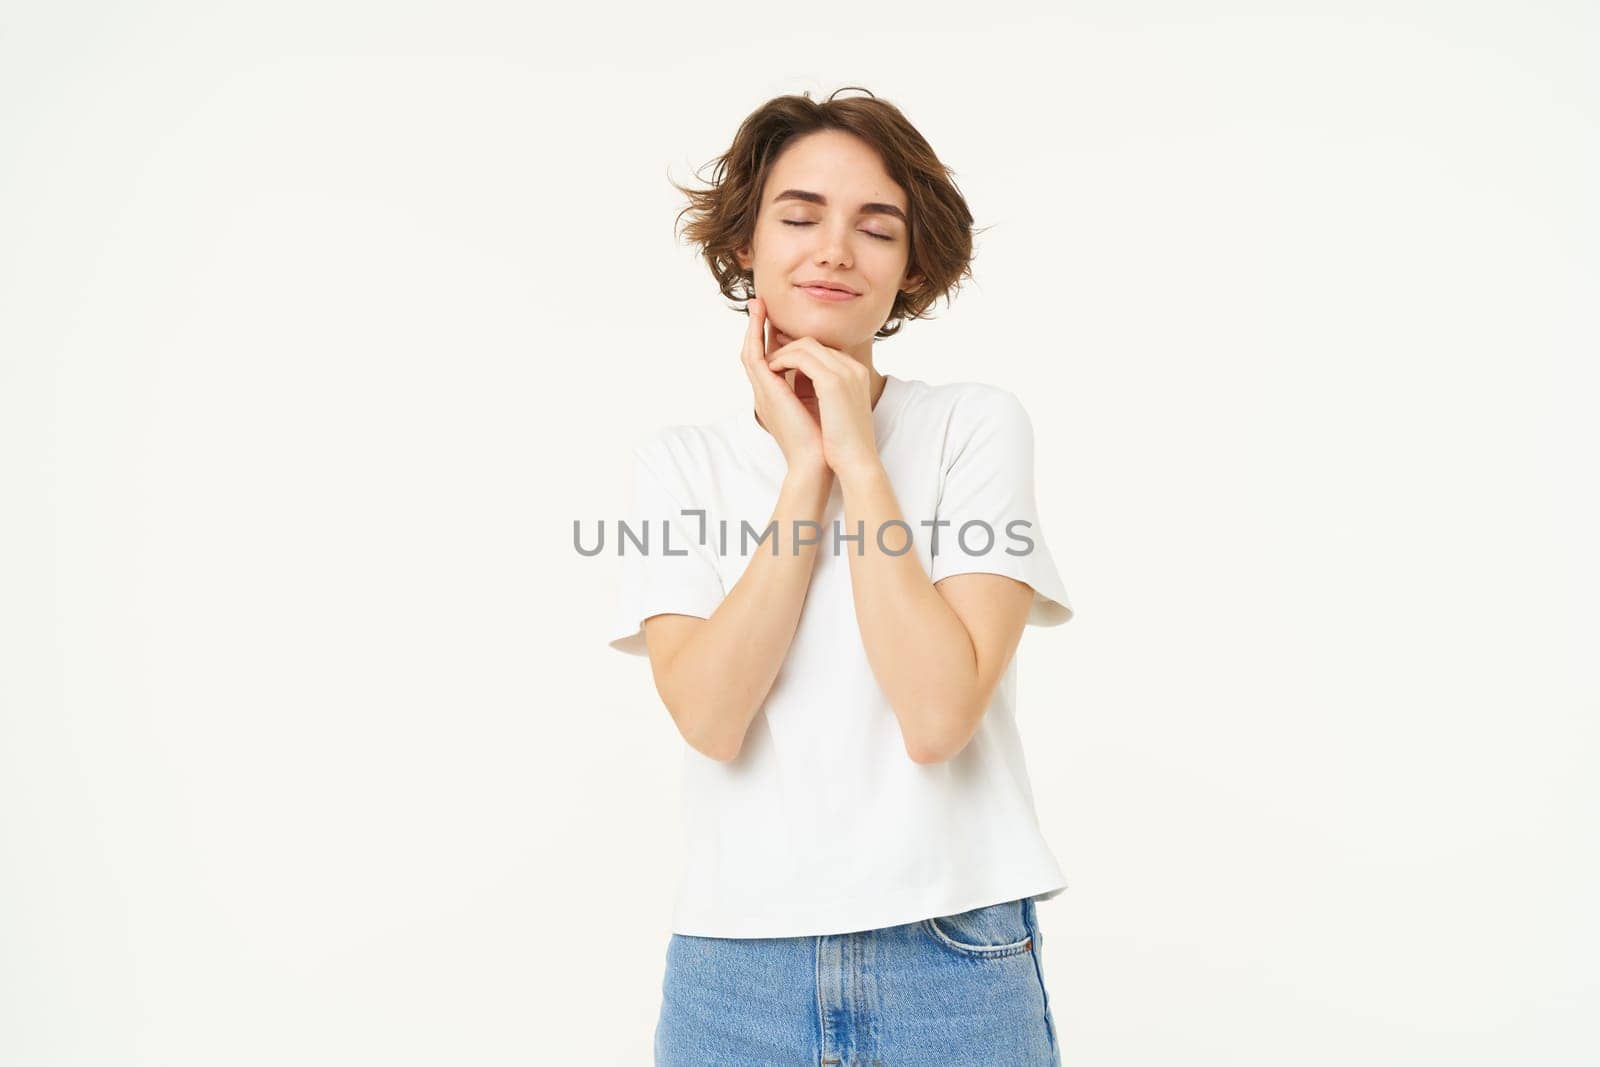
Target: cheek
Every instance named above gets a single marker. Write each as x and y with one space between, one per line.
888 267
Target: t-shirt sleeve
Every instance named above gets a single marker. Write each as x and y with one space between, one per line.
990 481
673 573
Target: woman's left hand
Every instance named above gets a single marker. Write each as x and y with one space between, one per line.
844 402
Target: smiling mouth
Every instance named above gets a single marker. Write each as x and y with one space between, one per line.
818 292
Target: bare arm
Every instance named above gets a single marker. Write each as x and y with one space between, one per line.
713 674
937 651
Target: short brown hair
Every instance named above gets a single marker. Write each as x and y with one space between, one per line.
723 216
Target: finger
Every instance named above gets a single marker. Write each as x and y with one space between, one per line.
776 339
803 359
841 365
750 349
762 381
756 347
820 355
767 383
753 334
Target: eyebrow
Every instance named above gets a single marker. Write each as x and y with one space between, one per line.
818 198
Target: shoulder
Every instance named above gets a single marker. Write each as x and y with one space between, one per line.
678 442
968 412
969 401
987 401
683 457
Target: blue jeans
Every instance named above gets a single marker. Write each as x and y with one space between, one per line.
957 991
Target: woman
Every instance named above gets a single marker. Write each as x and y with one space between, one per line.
839 579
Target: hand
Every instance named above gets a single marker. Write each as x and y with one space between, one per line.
843 400
798 430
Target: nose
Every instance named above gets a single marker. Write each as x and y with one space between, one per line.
833 248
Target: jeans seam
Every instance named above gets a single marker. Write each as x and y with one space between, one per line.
1044 993
931 924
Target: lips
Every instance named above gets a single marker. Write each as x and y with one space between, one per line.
818 292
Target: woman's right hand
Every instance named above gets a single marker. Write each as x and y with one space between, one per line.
797 430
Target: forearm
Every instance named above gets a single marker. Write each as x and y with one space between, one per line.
919 649
722 674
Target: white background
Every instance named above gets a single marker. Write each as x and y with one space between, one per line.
322 323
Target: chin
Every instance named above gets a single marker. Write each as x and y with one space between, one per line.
825 328
822 322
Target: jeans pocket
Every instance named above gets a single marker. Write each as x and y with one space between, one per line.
983 933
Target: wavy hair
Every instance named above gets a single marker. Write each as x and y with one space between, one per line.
722 217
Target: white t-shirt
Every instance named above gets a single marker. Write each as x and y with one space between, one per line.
823 824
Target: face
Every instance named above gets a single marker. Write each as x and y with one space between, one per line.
830 212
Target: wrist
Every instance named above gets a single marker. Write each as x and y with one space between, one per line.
863 475
813 475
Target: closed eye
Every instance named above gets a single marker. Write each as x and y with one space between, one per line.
869 233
